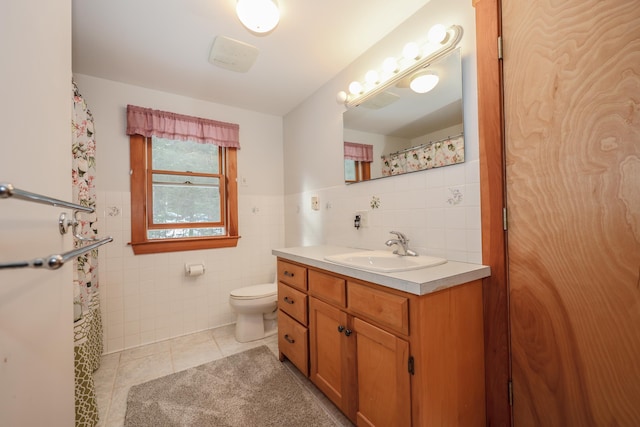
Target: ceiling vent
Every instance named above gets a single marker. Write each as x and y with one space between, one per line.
232 54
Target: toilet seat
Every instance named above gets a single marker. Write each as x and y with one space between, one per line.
255 291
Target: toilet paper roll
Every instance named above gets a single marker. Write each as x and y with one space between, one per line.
194 269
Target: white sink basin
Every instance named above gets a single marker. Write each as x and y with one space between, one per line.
384 261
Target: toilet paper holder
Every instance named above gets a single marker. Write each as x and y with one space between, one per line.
194 270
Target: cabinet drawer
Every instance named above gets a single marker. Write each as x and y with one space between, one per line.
293 342
383 308
292 302
327 287
292 275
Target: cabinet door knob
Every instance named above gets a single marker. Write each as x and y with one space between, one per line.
289 339
288 301
340 328
348 332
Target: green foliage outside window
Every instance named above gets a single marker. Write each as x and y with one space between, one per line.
188 191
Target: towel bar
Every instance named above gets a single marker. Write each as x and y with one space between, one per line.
7 190
53 262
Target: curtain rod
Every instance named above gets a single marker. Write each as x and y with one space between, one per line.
426 144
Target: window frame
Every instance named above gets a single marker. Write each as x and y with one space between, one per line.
140 243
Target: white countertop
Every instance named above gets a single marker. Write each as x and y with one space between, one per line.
418 282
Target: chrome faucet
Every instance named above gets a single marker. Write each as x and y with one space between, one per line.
403 244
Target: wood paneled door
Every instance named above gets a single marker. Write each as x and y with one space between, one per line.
572 143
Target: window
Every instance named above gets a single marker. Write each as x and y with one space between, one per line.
357 161
356 171
183 193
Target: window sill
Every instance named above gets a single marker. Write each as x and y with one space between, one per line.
178 245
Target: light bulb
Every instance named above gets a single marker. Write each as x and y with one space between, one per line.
259 16
390 65
355 88
372 77
437 34
342 97
424 82
411 51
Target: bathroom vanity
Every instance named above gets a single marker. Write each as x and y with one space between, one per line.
403 348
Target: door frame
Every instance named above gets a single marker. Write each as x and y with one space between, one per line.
493 208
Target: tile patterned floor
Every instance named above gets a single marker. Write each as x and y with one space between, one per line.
119 371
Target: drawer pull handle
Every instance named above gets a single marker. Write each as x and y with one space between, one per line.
348 332
288 274
288 301
340 328
289 339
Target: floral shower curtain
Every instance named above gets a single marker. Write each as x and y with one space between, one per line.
88 325
426 156
84 193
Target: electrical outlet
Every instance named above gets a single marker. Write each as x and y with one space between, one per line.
364 218
315 203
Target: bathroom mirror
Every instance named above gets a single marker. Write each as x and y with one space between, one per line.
408 131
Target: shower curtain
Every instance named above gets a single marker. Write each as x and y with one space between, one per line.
440 153
88 326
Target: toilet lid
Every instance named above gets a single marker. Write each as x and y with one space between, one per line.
255 291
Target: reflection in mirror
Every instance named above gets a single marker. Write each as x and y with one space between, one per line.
405 131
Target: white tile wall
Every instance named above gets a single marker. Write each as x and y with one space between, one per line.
148 298
438 209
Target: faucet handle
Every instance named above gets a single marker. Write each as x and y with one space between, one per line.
400 236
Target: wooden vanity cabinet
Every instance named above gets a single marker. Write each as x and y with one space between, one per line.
360 367
390 358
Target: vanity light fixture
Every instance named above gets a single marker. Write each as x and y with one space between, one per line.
424 81
390 65
411 51
437 34
372 77
441 40
258 16
355 88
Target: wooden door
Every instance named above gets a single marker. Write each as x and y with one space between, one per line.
384 388
572 114
328 352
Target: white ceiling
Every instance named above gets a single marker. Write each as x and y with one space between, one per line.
165 44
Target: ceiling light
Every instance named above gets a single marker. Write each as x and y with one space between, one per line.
424 82
259 16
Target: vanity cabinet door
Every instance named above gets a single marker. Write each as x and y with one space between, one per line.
329 351
384 386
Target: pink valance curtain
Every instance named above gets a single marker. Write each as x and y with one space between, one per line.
359 152
162 124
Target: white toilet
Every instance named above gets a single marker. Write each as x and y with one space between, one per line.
256 310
